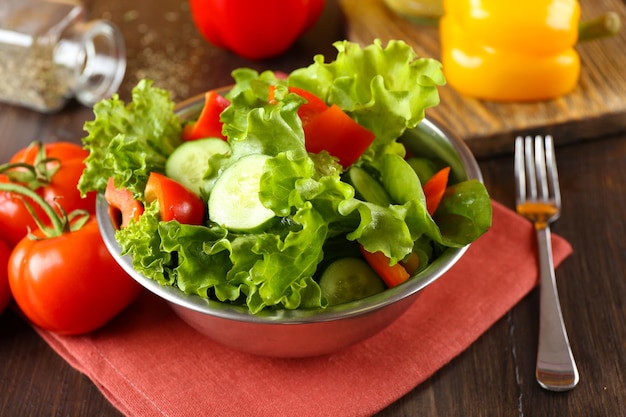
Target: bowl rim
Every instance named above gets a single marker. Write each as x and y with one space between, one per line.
214 308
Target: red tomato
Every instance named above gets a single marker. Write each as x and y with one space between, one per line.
56 182
176 202
69 284
338 134
255 29
5 290
15 220
60 150
208 124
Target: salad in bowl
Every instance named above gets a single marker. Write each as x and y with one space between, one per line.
288 194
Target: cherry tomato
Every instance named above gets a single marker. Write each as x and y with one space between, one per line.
5 290
54 175
69 284
175 201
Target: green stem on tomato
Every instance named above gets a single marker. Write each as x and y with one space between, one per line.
36 175
607 24
20 172
60 223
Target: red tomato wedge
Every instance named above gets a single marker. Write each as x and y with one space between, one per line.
208 124
434 189
176 202
392 274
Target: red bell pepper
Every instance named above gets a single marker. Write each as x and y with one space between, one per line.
255 29
208 124
434 189
175 201
393 275
307 111
123 208
330 129
338 134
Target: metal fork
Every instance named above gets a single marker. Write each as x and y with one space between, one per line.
539 200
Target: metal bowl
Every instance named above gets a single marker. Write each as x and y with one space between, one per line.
302 333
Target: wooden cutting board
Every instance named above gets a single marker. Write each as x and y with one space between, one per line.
596 108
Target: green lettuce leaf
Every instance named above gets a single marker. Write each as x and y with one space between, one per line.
127 142
384 89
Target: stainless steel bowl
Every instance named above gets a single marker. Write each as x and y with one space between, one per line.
302 333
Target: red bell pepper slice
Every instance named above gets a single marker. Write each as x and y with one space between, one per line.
338 134
307 111
393 275
123 208
313 107
330 129
434 189
208 124
176 202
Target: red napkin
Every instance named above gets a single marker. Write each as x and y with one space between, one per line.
148 362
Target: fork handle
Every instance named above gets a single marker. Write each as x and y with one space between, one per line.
556 368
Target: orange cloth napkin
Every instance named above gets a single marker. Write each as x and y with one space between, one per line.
148 362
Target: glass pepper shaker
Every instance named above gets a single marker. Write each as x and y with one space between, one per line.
50 53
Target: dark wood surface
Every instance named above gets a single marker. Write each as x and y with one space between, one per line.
495 375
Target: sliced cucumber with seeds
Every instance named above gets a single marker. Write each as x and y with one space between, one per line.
367 187
234 201
190 161
349 279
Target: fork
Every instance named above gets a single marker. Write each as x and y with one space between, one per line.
539 200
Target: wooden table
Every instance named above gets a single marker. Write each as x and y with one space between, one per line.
495 376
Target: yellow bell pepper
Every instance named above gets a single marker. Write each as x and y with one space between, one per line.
503 51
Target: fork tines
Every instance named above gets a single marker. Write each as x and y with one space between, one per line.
535 169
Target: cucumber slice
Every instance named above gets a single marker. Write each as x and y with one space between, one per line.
349 279
190 161
367 187
234 201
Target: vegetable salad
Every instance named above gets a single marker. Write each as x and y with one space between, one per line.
307 208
